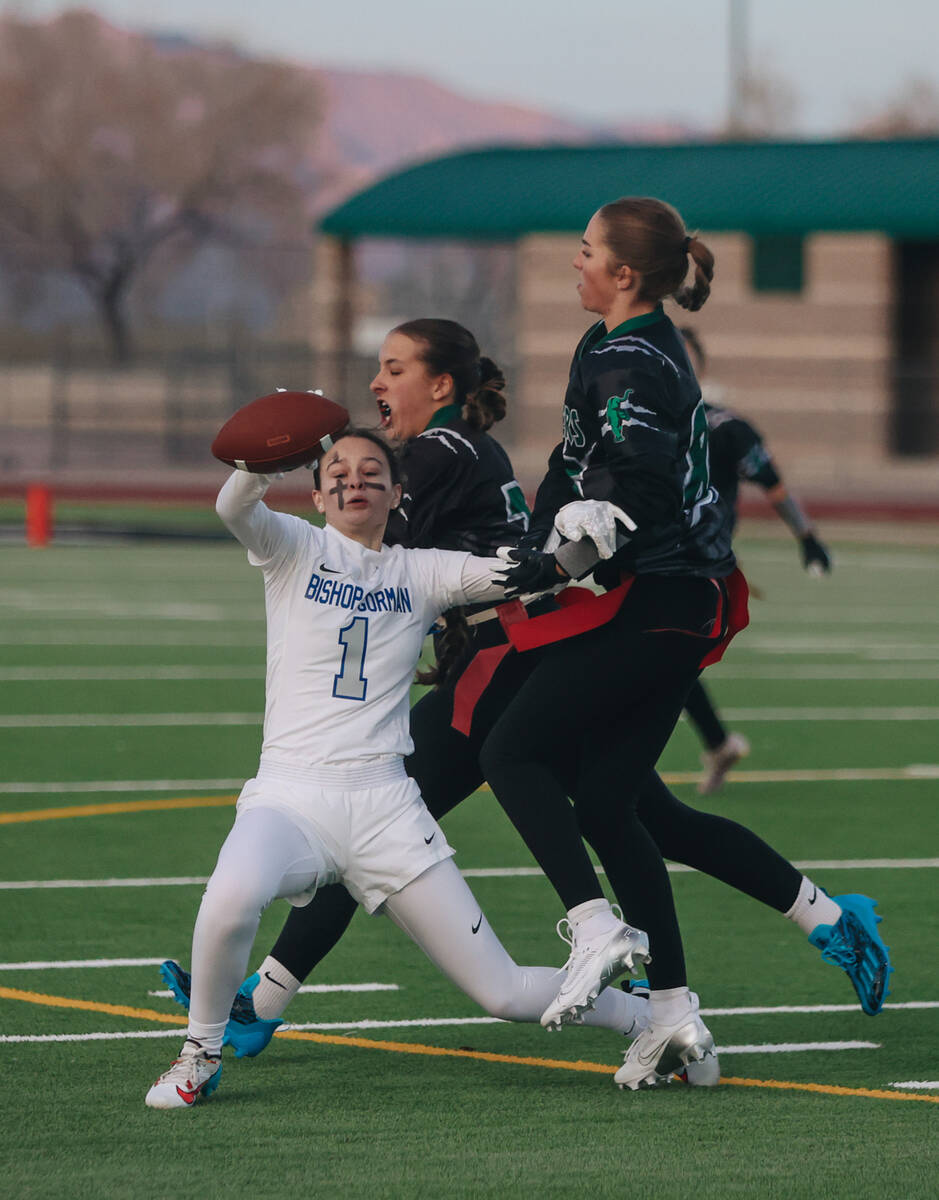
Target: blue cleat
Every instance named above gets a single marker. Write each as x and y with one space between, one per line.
245 1032
855 945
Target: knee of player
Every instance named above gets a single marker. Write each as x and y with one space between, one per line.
500 1002
232 903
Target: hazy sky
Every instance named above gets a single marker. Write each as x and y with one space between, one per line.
620 61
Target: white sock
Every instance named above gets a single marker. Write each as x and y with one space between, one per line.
276 988
592 918
812 907
205 1037
667 1006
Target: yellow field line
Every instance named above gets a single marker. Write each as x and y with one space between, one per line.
829 1089
118 806
114 1010
149 1014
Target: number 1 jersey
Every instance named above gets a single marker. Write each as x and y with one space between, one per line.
345 627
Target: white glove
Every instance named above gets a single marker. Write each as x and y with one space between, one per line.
594 519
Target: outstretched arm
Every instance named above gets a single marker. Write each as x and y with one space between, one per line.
815 555
263 533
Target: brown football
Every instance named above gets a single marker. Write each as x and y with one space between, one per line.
279 431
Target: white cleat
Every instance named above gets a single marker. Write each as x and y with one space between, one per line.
705 1073
663 1051
592 965
192 1075
717 763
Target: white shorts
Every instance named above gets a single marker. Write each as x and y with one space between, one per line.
369 819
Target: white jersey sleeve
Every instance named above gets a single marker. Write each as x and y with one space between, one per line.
269 537
452 578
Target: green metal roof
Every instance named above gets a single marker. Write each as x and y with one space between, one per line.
762 188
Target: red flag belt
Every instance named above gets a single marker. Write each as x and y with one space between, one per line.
580 611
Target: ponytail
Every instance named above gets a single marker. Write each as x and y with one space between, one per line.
649 236
447 348
452 644
486 405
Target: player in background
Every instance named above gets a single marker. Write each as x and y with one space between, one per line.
737 452
629 488
331 802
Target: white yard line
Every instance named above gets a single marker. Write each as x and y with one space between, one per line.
127 637
796 1047
200 719
132 720
80 963
120 785
120 674
832 714
317 989
850 864
835 672
863 647
332 1027
753 1011
925 1084
807 775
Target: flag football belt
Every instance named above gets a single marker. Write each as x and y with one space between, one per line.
579 611
490 614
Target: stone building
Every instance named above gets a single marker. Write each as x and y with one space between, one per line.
822 326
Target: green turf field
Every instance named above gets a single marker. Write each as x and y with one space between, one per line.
132 680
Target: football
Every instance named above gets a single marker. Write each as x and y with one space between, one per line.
280 431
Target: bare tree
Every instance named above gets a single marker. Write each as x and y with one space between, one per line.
112 145
913 111
767 105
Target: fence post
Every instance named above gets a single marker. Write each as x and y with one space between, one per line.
38 514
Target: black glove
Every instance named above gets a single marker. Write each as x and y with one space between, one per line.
815 556
534 572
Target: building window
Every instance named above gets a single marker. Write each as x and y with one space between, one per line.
778 263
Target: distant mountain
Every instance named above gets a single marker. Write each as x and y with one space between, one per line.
376 122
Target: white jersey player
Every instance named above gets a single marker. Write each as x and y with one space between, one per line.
346 620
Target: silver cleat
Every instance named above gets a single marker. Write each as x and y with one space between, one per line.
660 1052
593 965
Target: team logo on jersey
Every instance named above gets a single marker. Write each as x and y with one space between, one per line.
617 414
620 413
573 434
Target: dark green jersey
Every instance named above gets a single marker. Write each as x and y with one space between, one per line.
736 451
459 490
635 433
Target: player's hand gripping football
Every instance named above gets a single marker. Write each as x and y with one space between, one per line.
815 556
529 571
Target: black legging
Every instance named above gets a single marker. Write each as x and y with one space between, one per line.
590 722
704 716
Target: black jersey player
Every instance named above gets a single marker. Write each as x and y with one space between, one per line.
630 490
738 453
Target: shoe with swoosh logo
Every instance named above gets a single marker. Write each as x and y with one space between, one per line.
663 1051
592 965
192 1075
706 1073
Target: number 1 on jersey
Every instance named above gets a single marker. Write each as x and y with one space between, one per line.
350 683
